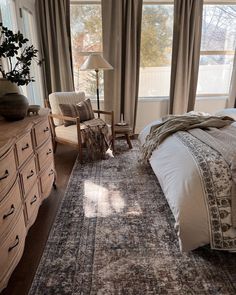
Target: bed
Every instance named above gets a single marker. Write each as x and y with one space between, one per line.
184 187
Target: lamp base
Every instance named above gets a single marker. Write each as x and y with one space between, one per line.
123 123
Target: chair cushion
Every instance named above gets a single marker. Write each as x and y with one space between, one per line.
69 133
57 98
83 110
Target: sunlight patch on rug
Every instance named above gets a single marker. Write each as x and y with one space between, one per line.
101 202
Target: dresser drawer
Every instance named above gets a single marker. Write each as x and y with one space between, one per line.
32 203
46 181
9 208
24 148
45 154
12 246
7 170
42 132
28 175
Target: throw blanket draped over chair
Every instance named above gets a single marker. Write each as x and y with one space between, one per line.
96 137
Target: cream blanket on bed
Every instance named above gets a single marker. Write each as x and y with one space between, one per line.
223 142
179 123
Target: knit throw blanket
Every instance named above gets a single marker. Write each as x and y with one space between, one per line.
96 137
179 123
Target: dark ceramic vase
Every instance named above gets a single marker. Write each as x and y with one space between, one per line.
13 106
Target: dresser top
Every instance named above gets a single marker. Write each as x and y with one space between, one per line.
11 131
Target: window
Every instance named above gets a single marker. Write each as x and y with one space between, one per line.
86 35
156 44
20 15
8 14
217 49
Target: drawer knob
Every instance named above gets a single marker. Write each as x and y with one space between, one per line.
51 172
17 240
25 147
46 129
6 174
49 152
33 200
31 174
12 209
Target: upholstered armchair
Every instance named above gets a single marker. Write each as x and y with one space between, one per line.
69 129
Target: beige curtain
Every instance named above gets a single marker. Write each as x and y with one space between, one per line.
185 55
121 47
55 42
232 91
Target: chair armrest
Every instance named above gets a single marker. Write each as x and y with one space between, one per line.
67 118
103 112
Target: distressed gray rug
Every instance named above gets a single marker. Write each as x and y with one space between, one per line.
114 234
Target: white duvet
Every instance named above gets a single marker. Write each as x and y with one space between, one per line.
179 178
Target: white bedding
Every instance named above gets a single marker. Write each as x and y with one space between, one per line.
181 183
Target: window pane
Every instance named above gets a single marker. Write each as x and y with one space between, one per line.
86 34
7 14
214 74
33 90
156 43
217 49
219 27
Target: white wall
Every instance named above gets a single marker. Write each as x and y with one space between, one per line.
150 110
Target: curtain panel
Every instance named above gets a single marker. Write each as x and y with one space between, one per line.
53 20
121 22
185 55
232 90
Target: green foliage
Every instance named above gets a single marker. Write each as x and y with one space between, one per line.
86 33
156 38
20 56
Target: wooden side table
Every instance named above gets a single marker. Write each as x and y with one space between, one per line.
125 130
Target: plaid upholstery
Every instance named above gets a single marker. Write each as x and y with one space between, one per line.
83 110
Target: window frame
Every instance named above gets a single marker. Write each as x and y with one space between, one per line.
216 52
17 22
87 53
202 53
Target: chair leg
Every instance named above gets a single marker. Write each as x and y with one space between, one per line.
113 143
80 154
128 140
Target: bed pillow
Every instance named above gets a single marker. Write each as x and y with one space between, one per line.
231 112
83 110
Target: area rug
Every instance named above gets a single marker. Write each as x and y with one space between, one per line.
114 234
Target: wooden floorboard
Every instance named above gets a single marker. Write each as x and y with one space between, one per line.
21 279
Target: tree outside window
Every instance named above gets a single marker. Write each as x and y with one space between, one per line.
217 49
86 34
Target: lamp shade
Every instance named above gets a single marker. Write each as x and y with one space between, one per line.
95 61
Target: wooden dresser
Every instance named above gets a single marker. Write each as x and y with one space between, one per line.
27 174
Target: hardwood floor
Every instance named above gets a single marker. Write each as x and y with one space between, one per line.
21 279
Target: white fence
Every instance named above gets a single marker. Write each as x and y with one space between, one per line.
212 79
